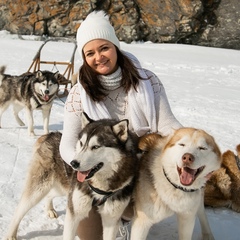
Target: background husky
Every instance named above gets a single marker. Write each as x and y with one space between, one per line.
173 173
223 188
105 164
30 90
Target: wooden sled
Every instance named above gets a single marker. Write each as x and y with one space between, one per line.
65 77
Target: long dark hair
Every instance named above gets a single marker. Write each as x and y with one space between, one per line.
93 87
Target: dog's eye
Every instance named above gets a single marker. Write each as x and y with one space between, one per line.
81 144
95 147
181 144
202 148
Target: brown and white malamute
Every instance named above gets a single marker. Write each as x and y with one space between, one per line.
102 174
173 174
223 188
30 91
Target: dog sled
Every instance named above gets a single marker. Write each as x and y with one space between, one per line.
65 75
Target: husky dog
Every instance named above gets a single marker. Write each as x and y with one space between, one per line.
30 90
223 188
173 172
102 174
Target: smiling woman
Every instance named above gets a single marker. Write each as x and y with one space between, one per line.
113 85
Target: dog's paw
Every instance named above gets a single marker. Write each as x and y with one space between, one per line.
10 238
22 124
208 237
31 134
46 132
19 121
52 213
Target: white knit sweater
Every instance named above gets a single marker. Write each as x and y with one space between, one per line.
117 105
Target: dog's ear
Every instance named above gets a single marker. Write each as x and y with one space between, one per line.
2 69
149 141
85 119
56 75
39 74
121 130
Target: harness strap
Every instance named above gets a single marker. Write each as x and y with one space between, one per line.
99 191
98 202
36 100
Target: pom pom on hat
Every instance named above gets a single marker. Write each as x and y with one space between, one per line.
96 26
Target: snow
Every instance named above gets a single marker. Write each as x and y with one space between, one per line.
203 88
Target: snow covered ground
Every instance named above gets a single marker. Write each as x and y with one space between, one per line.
203 88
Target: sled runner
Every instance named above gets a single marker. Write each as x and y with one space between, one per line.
65 76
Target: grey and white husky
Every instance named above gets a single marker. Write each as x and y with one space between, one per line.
30 91
102 174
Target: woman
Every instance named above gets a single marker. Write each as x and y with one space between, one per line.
112 84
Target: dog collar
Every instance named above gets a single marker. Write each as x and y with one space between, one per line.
237 161
37 102
179 187
98 202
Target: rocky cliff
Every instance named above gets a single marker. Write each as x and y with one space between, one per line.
213 23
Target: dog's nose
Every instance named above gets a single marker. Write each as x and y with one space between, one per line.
75 164
188 158
46 91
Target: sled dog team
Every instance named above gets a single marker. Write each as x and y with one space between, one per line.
106 172
159 175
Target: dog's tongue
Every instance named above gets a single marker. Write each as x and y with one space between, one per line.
46 97
187 176
82 175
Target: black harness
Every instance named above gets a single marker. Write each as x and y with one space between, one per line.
37 101
99 202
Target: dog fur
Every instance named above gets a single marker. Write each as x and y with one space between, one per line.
172 176
223 188
30 91
102 174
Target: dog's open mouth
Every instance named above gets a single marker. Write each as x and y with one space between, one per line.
188 175
46 97
82 176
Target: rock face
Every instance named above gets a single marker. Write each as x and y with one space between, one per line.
225 33
213 23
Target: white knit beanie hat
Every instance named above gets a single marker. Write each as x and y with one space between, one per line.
96 26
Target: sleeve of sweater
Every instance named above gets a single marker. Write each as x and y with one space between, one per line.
166 121
72 125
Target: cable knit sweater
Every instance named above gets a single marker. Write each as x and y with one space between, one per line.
117 104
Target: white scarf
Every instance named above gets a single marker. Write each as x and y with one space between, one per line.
141 103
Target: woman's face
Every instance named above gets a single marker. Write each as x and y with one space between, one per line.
101 56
